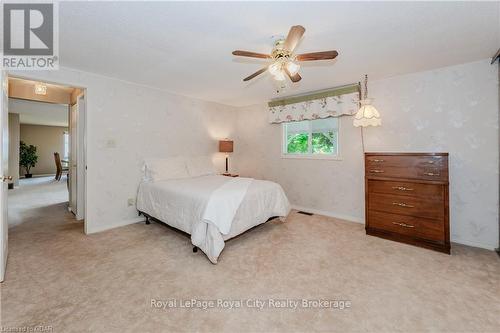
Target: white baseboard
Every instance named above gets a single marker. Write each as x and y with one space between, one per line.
330 214
473 243
347 218
39 175
360 220
122 223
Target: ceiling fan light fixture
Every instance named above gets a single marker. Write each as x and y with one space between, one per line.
284 59
280 76
292 67
275 68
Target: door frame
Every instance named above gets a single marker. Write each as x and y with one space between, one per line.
81 145
78 116
4 133
85 127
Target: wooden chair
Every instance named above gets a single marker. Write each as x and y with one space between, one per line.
59 168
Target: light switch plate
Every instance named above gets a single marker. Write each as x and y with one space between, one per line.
111 143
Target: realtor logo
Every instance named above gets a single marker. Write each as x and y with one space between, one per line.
30 32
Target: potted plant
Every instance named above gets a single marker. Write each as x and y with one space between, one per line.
27 157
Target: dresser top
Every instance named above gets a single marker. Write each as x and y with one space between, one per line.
404 154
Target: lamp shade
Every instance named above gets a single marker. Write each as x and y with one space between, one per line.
226 146
367 115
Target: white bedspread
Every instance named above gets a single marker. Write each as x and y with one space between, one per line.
224 202
181 203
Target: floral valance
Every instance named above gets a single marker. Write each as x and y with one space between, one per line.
332 103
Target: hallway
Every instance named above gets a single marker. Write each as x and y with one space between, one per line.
35 199
41 230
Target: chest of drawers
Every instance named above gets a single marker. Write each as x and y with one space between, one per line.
406 198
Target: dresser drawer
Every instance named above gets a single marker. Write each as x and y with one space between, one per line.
427 167
408 225
405 188
407 198
431 208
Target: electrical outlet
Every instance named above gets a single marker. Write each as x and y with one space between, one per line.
131 202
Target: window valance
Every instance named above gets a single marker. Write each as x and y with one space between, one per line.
329 103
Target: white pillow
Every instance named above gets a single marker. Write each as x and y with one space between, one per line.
200 166
165 168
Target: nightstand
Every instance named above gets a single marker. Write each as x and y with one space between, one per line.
229 175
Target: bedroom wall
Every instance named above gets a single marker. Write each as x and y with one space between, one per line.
452 109
126 123
330 187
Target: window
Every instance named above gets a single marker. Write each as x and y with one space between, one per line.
317 138
66 146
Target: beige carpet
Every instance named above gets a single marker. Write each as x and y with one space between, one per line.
58 277
33 195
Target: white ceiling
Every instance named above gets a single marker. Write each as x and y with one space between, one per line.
39 113
185 47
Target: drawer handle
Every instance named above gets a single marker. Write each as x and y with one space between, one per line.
431 174
402 204
431 162
402 188
377 171
377 160
404 225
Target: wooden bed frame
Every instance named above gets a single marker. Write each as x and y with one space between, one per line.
150 218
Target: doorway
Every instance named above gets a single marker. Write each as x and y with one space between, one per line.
46 154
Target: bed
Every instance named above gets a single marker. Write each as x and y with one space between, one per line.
210 208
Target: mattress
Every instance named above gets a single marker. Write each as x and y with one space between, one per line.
181 203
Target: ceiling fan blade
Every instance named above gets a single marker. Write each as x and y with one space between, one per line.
293 38
260 71
251 54
294 78
325 55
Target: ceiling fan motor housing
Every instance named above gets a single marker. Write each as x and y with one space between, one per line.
279 53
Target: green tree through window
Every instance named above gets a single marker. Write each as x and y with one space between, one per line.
298 143
311 137
323 143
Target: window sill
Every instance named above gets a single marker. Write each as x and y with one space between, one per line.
312 157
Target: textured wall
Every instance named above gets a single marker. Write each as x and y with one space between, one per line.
127 122
452 109
334 187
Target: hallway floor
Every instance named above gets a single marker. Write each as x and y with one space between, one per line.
33 196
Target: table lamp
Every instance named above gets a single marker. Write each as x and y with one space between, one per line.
226 146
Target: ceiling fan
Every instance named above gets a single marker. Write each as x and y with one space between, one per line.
283 57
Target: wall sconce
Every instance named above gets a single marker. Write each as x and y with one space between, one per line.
367 114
